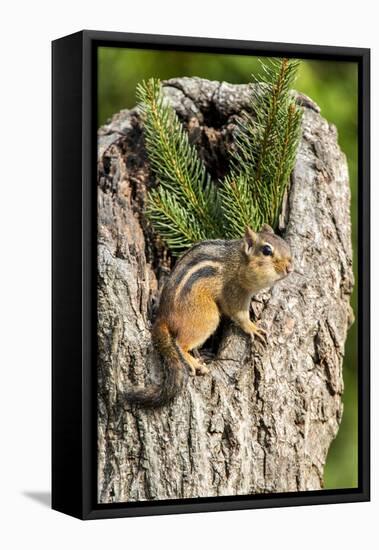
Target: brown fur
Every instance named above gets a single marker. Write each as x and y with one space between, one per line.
212 278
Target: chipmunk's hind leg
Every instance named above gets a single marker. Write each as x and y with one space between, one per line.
196 324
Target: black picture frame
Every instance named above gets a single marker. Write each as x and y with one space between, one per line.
74 88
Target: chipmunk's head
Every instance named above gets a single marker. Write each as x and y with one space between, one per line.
268 257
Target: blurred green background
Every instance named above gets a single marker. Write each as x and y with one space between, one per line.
334 87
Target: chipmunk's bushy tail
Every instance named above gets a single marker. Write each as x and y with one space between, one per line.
173 376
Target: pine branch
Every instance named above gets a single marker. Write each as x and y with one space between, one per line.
179 171
287 157
267 141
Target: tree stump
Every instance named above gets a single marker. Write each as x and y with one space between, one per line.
262 421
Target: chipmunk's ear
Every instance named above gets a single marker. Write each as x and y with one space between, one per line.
249 240
267 228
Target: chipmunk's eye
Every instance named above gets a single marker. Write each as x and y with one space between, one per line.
266 250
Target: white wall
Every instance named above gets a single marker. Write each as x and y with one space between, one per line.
27 28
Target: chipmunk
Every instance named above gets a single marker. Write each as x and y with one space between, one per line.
211 279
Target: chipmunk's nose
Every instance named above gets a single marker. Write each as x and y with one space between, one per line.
289 267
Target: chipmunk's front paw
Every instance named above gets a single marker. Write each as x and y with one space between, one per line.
257 332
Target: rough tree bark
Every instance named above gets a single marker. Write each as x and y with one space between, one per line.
263 420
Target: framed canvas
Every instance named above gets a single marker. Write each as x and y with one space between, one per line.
210 275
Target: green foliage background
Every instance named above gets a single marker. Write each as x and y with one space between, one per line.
334 87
